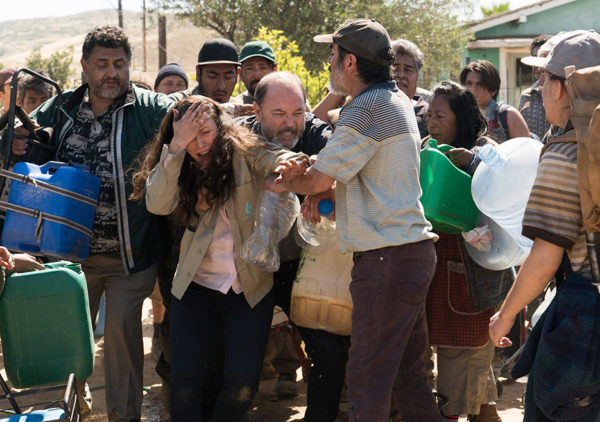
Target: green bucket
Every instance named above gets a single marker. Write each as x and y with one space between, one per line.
45 326
446 189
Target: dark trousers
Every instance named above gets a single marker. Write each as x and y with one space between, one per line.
197 321
328 354
389 336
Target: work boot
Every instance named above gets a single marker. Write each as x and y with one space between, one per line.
487 413
286 385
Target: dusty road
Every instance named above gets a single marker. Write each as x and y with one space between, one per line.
267 408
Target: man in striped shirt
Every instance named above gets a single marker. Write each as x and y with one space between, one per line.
373 156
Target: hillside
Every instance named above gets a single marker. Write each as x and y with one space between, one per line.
19 38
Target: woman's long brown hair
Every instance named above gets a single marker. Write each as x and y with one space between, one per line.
216 179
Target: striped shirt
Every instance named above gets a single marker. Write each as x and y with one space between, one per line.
374 156
553 212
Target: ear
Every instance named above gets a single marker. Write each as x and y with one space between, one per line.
558 90
349 64
198 73
256 109
275 68
83 65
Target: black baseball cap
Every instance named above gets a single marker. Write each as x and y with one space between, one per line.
218 51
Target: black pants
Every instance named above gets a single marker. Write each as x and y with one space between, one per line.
328 354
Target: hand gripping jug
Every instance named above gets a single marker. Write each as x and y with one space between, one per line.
321 294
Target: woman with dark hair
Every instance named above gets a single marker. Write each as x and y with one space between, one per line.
460 332
209 174
504 121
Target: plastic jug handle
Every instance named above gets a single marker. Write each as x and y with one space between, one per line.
433 143
51 166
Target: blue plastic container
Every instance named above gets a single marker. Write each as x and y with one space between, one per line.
55 239
49 415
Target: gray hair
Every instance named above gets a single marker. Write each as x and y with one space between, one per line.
406 48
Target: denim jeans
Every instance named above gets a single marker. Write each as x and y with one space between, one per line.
328 354
388 341
201 318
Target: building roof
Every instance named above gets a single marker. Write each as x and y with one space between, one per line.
519 15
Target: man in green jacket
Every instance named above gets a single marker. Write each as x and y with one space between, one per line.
104 124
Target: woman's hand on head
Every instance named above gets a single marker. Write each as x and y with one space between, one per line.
187 126
460 157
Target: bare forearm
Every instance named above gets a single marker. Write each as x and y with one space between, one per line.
311 182
534 275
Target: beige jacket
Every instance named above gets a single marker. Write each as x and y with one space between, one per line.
250 172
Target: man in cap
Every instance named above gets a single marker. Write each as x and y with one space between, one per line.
171 78
257 59
553 220
216 71
379 218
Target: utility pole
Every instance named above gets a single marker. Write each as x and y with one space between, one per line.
120 14
144 30
162 40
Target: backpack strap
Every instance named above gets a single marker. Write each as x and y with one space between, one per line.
564 271
503 119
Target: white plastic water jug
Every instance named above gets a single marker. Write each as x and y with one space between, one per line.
502 183
504 251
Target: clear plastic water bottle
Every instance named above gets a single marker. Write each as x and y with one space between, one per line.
318 237
275 217
502 183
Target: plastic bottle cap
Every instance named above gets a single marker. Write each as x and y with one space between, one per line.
325 207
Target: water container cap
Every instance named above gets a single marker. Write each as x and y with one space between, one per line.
325 207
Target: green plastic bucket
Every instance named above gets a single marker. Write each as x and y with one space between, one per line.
45 326
446 189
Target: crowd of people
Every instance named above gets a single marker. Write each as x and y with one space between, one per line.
181 171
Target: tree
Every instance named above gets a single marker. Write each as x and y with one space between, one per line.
434 25
56 67
494 9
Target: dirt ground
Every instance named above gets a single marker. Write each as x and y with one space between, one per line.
267 407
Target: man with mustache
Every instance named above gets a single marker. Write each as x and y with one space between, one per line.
280 115
103 125
258 60
407 65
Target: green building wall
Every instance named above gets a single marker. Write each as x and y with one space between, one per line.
489 54
582 14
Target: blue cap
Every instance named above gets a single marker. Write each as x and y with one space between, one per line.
325 207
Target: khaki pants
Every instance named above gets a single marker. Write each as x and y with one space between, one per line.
466 378
123 346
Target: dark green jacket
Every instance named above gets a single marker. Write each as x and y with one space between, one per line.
134 125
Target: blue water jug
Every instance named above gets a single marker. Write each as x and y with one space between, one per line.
51 210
